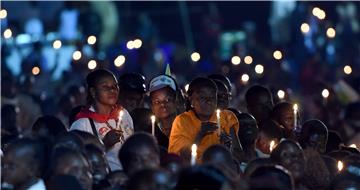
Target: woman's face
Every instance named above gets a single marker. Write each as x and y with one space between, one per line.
163 103
203 101
106 91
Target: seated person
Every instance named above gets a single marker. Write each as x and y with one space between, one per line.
200 124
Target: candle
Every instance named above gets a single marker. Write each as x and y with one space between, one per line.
193 154
353 146
295 108
153 125
340 165
218 120
272 144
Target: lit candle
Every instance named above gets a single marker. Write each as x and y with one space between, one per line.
218 120
295 108
153 125
121 114
193 154
353 146
272 144
340 165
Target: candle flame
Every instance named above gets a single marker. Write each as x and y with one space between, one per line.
193 150
295 107
340 165
218 113
121 113
272 145
152 119
353 146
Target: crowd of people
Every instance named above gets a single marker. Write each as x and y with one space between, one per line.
201 126
132 135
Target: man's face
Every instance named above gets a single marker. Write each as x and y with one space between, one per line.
145 157
317 141
260 107
204 101
16 170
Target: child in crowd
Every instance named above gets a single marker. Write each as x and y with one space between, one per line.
103 117
163 95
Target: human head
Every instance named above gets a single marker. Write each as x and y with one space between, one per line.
88 139
223 95
24 160
65 161
289 154
97 161
259 102
163 96
69 140
248 132
138 152
271 177
219 156
314 134
202 96
132 90
268 131
202 177
223 79
334 141
102 88
148 179
143 119
48 126
283 114
256 163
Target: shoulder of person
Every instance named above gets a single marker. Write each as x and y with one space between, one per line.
82 124
228 115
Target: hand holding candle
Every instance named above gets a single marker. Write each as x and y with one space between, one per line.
193 154
152 124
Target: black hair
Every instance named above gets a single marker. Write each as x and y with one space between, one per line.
279 108
141 120
255 91
276 153
223 79
271 129
218 149
132 81
49 124
334 141
220 85
73 112
88 138
92 79
271 177
130 148
199 83
69 140
310 127
202 178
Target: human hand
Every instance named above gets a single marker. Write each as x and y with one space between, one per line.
111 138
